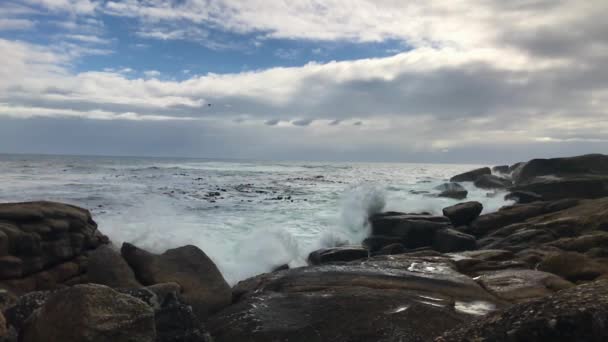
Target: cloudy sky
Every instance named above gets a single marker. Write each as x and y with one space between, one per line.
358 80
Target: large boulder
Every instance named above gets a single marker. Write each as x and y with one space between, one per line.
90 313
384 298
471 176
573 266
590 164
463 213
550 188
452 190
344 253
450 240
523 197
504 169
492 182
203 286
107 267
576 314
36 237
413 230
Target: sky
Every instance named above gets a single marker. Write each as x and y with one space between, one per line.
347 80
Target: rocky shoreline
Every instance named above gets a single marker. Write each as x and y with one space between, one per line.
533 271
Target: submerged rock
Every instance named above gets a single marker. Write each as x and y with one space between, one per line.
203 286
471 176
90 313
463 213
577 314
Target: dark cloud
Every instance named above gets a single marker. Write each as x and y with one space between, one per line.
302 122
272 122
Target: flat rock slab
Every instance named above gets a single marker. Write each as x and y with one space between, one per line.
522 285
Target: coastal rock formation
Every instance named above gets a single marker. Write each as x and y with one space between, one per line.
492 182
462 214
590 164
202 284
90 313
504 169
42 244
471 176
523 197
577 314
450 240
107 267
385 298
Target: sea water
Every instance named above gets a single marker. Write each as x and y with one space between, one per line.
248 216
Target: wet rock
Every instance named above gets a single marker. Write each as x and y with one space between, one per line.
90 313
492 182
345 253
452 190
395 248
384 298
521 285
463 213
523 197
577 314
375 243
107 267
550 188
471 176
504 169
203 286
585 165
413 230
451 240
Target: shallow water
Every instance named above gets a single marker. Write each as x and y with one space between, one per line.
247 216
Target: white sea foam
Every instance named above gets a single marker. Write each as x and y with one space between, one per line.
159 204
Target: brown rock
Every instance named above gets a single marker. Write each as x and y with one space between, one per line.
521 285
573 266
203 286
90 313
107 267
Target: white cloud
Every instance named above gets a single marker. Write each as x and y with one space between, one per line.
73 6
16 24
151 73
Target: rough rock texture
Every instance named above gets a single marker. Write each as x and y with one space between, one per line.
492 182
471 176
463 213
90 313
515 285
22 309
452 190
577 314
385 298
40 243
344 253
203 286
107 267
412 231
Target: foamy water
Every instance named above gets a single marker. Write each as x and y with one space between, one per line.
259 214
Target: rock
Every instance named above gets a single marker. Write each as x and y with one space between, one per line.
395 248
3 328
463 213
36 237
107 267
383 298
203 286
450 240
582 243
471 176
516 214
492 182
521 285
586 187
576 314
90 313
504 169
413 230
375 243
585 165
176 322
345 253
280 268
523 197
22 309
573 266
452 190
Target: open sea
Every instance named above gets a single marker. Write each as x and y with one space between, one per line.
248 216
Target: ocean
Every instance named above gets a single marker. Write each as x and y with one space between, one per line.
248 216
